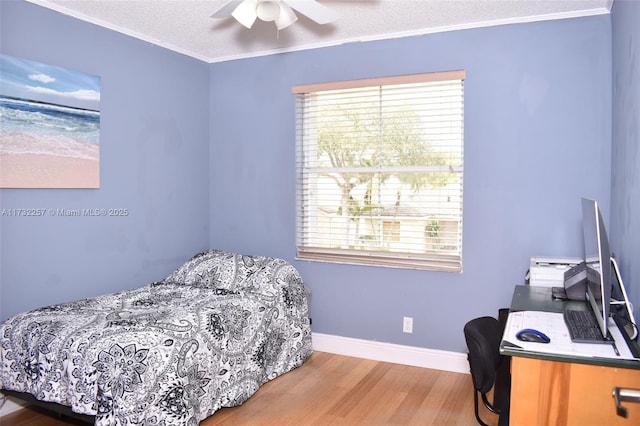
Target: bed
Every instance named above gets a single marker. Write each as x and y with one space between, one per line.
172 352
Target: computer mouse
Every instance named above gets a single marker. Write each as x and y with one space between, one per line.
531 335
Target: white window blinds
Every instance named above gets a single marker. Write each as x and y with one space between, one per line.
379 166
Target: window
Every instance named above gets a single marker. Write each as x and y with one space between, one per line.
379 166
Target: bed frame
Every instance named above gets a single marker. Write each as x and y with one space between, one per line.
54 408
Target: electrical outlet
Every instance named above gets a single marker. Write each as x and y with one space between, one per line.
407 325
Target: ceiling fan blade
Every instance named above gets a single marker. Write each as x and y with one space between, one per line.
226 10
246 13
314 11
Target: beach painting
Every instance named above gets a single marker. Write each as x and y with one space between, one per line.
49 126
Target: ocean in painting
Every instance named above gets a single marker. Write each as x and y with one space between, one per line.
52 129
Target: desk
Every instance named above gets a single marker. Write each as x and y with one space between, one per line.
549 389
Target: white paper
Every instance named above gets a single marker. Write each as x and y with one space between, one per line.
552 324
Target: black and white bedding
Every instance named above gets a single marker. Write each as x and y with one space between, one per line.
170 353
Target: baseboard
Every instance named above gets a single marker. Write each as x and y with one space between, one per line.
10 405
389 352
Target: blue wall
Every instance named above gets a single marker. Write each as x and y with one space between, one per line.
625 183
154 150
537 138
538 110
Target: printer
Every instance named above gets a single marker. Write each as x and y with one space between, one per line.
549 271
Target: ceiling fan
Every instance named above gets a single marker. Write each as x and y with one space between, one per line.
281 12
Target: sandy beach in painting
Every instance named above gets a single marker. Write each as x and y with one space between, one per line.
46 161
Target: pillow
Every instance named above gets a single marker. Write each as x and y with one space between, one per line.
205 269
218 269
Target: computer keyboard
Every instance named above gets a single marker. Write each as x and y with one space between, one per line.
583 327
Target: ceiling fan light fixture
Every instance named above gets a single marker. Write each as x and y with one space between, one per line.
268 10
286 17
281 12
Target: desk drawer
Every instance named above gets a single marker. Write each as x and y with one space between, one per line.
561 393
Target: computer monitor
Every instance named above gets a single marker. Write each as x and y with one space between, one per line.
598 258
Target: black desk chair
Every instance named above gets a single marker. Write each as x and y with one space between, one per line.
488 367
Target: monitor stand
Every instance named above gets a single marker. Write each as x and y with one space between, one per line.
633 334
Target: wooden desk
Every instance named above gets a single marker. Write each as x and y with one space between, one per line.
559 390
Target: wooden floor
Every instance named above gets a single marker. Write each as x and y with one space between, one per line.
338 390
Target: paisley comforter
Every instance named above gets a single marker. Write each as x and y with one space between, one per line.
169 353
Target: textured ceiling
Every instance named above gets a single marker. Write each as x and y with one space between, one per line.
186 26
